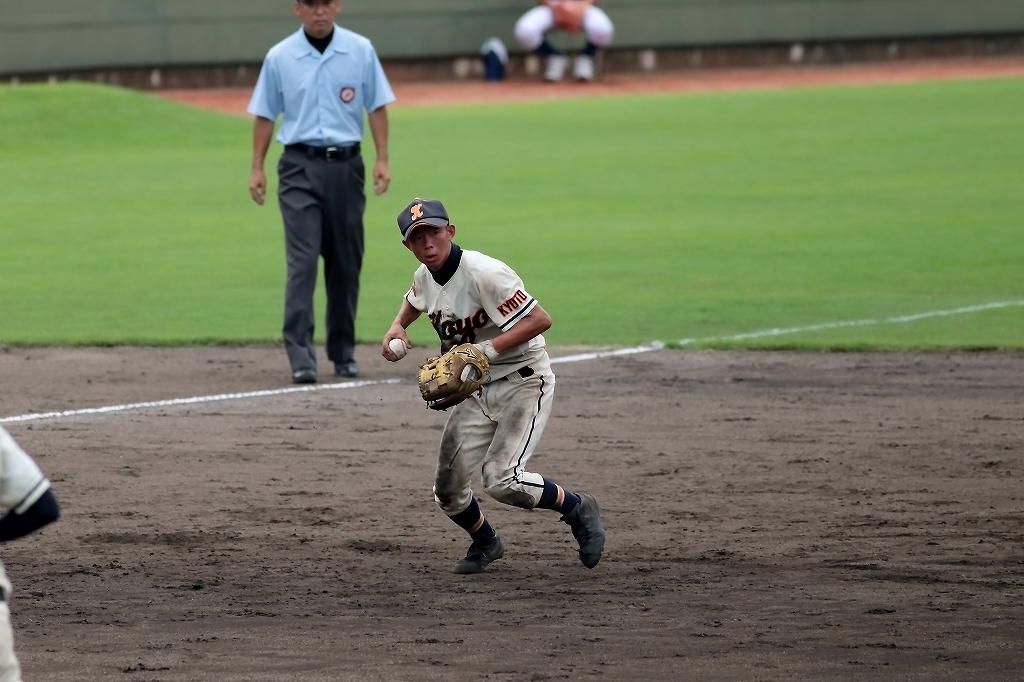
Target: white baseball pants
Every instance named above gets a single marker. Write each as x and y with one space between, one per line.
10 671
532 26
495 431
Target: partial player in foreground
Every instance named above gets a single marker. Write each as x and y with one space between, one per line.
25 492
496 373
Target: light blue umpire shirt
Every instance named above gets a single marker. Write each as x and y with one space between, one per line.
323 96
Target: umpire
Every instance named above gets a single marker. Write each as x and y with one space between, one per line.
321 78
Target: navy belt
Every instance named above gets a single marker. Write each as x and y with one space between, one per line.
327 153
524 372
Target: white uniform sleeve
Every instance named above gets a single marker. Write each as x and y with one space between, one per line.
503 295
21 481
415 296
267 99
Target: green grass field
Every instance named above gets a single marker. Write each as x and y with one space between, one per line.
125 218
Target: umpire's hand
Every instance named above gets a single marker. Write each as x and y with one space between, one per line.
381 177
258 186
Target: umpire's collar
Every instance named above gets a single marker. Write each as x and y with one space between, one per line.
447 270
302 48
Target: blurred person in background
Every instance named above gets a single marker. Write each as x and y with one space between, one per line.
321 79
572 16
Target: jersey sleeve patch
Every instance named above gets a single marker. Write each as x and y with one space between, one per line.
502 293
515 307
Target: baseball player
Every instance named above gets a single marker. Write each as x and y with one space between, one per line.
568 15
472 298
25 492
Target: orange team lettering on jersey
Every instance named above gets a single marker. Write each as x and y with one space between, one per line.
482 299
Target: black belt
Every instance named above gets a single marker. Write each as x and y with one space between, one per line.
524 372
327 153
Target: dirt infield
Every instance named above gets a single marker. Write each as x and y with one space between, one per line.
770 515
235 100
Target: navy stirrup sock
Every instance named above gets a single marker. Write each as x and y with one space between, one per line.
590 50
556 498
472 520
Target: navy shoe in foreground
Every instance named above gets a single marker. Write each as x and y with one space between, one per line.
585 521
479 555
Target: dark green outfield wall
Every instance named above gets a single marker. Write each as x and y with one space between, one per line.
83 34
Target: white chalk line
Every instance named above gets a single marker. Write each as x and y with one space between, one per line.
657 345
195 400
854 323
580 357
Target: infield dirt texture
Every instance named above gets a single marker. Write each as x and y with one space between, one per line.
771 516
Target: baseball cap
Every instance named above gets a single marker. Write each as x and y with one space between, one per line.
421 212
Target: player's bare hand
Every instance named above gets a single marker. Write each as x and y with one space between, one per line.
381 177
385 347
258 186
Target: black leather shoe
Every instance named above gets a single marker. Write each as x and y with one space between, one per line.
304 376
346 369
585 521
479 555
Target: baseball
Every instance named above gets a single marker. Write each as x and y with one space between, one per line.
397 347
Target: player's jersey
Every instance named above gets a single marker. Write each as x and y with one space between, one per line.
482 299
21 484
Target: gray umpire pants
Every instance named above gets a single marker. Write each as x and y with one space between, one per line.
322 204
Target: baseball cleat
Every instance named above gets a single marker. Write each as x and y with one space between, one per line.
557 64
583 68
585 521
346 369
304 376
479 555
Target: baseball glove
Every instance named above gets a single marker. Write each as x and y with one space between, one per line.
451 378
568 14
